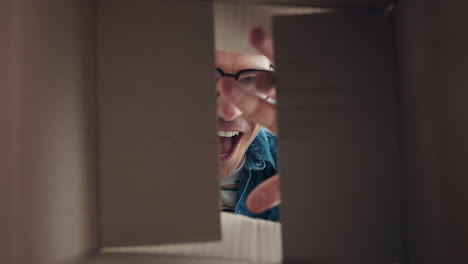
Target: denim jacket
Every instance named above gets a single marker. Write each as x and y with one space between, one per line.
260 164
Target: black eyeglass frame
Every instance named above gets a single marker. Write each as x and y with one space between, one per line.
239 73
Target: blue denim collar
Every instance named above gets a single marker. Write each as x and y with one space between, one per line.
259 153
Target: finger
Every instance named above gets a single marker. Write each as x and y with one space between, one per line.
253 107
265 196
262 41
265 83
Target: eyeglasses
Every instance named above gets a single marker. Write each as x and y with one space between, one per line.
246 78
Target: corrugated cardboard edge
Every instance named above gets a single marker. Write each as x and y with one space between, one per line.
243 239
316 3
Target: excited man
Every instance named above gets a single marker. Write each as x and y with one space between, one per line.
247 147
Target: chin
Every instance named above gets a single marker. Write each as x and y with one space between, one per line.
226 167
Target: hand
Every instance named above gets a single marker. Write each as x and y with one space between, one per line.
257 109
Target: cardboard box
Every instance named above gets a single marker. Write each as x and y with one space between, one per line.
372 130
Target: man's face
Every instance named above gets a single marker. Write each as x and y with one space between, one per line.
235 132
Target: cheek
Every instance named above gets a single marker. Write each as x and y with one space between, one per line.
254 129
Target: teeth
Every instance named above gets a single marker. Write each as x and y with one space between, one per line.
228 133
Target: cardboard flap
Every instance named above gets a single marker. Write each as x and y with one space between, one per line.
157 123
339 145
433 63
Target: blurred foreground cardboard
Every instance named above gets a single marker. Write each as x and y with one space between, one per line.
372 130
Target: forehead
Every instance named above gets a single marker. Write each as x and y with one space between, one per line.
231 62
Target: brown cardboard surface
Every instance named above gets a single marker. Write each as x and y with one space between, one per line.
4 86
433 62
51 172
419 70
339 145
157 123
455 124
317 3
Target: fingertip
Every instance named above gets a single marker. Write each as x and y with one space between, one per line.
252 205
265 81
230 90
226 84
262 41
257 37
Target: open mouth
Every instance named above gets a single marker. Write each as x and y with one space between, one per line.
228 144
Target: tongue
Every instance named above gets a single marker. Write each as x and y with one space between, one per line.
225 145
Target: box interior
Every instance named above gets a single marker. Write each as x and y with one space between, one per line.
50 102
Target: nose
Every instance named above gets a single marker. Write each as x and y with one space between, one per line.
226 110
